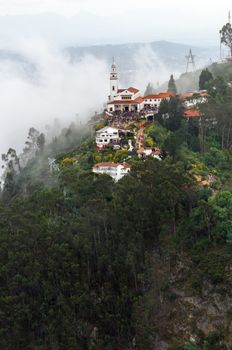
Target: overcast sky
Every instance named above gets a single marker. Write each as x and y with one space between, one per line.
101 21
38 29
107 7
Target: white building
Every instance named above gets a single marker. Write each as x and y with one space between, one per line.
145 152
126 100
122 100
107 136
130 99
192 99
116 170
153 101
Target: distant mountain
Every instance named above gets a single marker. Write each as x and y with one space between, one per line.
172 54
167 56
25 68
138 63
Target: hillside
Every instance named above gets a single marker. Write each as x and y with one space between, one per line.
170 54
190 81
145 262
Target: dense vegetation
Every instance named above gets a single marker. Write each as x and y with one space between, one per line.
86 263
190 81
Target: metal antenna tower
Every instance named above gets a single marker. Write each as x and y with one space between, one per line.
190 61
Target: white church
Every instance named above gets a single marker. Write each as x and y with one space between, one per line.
122 100
130 99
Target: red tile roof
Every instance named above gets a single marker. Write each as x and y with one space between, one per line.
126 166
204 94
130 89
159 95
134 90
139 99
186 95
194 94
192 113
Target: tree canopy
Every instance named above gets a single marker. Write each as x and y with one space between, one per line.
149 89
172 85
226 36
204 78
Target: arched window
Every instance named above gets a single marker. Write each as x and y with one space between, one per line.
113 88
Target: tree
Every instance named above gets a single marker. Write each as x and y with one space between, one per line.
218 88
172 143
34 145
226 36
31 143
9 188
191 346
149 89
41 142
172 85
205 77
217 113
11 160
215 158
171 113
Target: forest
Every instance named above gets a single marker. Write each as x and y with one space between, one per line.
87 263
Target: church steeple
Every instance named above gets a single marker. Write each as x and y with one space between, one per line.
113 81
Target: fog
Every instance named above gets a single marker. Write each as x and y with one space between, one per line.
45 87
41 84
150 68
103 21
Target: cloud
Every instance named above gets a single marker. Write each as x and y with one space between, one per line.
149 68
64 7
47 86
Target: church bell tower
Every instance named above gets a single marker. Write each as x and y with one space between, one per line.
113 82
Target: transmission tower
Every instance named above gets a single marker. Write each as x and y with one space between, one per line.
190 61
